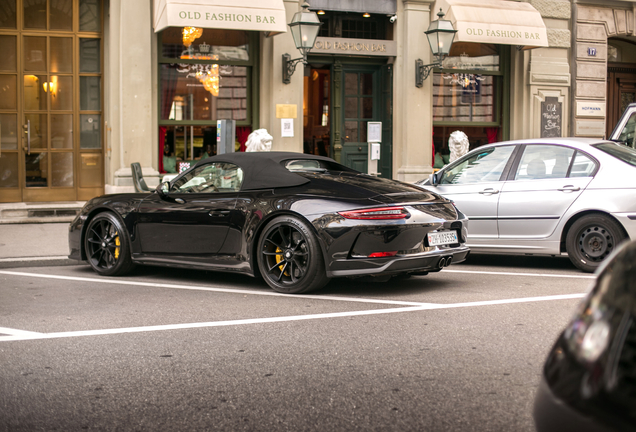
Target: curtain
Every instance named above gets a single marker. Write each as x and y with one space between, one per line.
491 134
242 132
162 141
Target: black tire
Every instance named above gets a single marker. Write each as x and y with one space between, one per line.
289 257
591 239
107 246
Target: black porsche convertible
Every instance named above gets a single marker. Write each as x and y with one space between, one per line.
295 219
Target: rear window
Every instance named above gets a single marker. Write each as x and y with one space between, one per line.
314 165
619 151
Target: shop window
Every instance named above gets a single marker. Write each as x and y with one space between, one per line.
205 75
355 26
467 95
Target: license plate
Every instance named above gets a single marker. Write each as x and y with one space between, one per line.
442 238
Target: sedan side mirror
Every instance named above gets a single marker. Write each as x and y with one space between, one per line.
163 189
432 179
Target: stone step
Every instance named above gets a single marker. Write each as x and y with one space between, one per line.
39 212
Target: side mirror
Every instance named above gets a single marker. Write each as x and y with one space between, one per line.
163 189
432 179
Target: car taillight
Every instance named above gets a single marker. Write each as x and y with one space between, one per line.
376 213
382 254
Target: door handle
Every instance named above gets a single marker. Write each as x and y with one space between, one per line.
569 188
27 129
489 191
219 213
359 148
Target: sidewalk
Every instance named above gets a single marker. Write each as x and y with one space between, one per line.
34 244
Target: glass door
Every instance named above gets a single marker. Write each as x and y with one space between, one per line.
360 96
50 87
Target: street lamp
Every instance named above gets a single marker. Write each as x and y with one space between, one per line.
440 36
304 28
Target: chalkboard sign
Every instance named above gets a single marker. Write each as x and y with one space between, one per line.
551 116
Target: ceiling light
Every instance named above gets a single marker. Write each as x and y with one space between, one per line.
366 15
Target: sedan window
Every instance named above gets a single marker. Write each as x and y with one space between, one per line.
543 162
629 132
210 178
483 166
583 166
626 154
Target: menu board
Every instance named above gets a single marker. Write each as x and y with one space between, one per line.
551 117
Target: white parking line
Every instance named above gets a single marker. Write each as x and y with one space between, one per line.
214 289
20 335
522 274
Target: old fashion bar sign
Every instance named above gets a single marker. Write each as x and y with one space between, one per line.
501 34
222 14
364 47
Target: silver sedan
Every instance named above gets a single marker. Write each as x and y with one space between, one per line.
545 197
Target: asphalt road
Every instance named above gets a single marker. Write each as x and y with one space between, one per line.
175 350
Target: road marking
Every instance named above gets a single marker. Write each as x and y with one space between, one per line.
16 332
42 258
214 289
431 306
18 335
522 274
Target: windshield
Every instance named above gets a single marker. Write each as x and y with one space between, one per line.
619 151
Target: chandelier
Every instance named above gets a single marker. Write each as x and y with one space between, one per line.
210 79
190 34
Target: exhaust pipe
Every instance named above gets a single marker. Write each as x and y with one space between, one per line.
448 261
441 263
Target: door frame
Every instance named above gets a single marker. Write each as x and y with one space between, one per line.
338 65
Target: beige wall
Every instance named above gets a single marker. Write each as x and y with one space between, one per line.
274 92
130 102
594 24
412 106
542 72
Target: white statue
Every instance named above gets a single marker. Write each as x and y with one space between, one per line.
259 141
458 145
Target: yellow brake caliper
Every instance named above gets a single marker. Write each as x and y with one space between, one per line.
118 244
279 259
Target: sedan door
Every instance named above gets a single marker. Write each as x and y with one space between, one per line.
474 183
547 180
193 218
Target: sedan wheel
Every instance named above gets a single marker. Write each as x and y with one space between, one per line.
591 239
107 247
289 257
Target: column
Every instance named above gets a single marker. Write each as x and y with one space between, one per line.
412 114
129 101
274 92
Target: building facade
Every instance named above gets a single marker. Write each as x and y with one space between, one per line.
88 87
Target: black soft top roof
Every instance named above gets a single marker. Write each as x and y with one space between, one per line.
263 170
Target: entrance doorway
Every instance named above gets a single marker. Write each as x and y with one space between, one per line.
621 80
50 100
339 101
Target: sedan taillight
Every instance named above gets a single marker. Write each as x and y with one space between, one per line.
376 213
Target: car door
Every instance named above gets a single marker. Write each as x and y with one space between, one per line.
193 218
545 183
474 183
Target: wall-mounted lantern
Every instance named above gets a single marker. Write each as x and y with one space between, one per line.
304 29
440 36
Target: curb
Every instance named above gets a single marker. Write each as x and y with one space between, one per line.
44 261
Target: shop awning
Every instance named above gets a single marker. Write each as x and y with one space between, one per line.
495 22
259 15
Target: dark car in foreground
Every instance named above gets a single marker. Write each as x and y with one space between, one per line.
296 220
589 378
